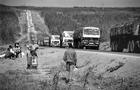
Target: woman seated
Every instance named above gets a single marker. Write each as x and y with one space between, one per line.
17 50
10 53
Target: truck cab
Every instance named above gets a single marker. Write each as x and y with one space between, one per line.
87 37
55 40
67 37
46 41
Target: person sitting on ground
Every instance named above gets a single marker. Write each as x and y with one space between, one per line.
10 52
17 49
70 58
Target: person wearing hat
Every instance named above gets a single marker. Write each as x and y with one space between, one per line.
10 53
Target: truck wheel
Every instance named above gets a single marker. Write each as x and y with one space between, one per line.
84 47
131 46
137 47
97 48
79 46
128 46
120 46
115 46
112 46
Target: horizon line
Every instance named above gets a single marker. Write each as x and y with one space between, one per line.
70 6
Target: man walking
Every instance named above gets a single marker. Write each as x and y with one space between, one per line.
70 58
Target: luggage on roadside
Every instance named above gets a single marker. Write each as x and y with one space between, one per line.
34 63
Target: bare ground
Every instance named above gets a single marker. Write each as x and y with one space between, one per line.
97 71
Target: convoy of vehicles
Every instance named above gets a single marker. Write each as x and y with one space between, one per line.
87 37
82 38
125 37
55 40
122 37
67 37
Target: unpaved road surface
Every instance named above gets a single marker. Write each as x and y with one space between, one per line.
97 70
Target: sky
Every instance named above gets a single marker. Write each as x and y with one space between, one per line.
71 3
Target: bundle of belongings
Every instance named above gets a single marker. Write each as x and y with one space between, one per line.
32 57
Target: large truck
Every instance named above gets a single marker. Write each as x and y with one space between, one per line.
87 37
125 37
67 37
45 41
55 40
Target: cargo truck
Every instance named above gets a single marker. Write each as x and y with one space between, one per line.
67 37
125 37
55 40
87 37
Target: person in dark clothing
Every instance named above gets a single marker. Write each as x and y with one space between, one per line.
10 52
17 49
70 59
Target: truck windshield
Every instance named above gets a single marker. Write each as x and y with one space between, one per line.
57 38
68 35
91 32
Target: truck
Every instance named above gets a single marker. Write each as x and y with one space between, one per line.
125 38
44 41
66 38
55 40
87 37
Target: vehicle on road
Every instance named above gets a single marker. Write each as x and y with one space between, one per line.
87 37
46 41
67 37
55 40
125 37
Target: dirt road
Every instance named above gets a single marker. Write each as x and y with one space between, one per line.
96 71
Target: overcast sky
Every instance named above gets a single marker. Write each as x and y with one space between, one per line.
71 3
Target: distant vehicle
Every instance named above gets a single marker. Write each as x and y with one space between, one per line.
126 36
67 37
55 40
87 37
46 41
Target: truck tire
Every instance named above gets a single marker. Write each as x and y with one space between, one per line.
79 46
97 48
120 46
111 46
137 47
115 46
131 46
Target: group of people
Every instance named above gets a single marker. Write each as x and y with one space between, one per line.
12 52
70 57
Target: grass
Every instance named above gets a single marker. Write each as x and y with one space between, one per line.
23 80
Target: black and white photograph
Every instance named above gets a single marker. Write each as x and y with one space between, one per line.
69 44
